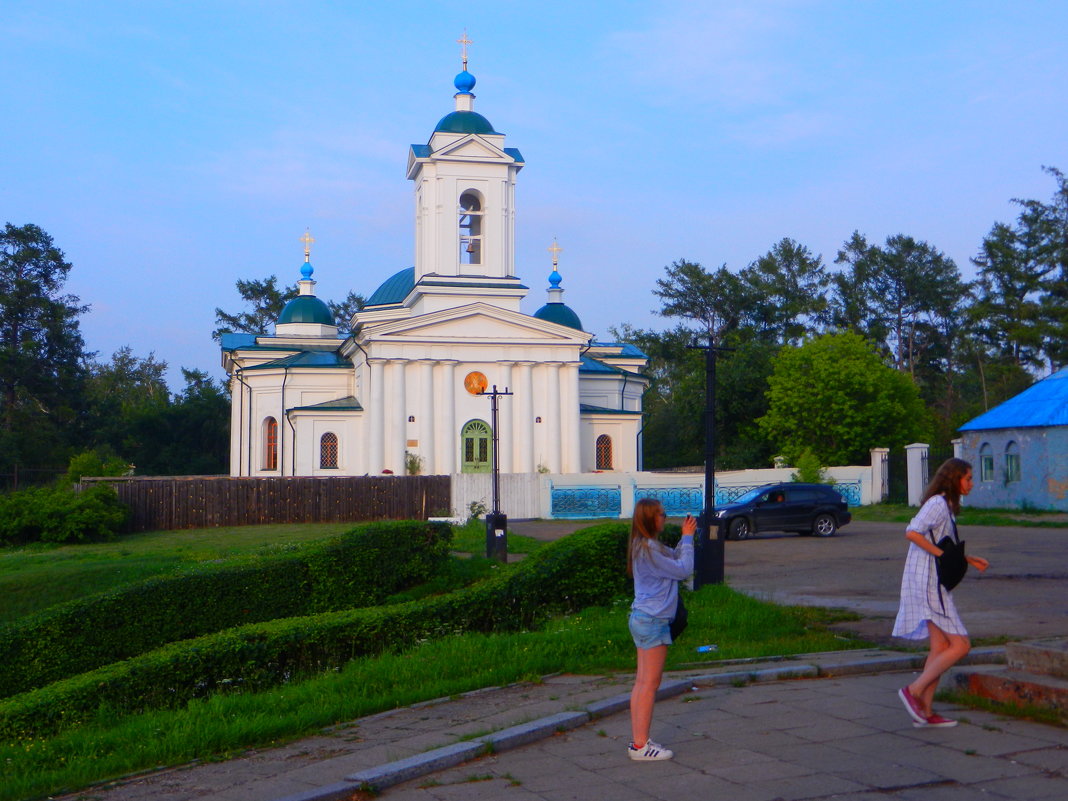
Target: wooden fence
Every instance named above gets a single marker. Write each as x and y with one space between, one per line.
164 503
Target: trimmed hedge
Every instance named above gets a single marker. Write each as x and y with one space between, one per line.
360 568
584 569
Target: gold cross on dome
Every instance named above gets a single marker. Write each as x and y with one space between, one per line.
307 239
463 41
556 250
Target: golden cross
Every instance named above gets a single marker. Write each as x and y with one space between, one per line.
307 239
463 41
556 250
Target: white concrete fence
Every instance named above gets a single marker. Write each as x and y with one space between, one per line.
612 495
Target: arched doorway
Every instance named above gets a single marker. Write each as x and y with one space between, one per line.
476 443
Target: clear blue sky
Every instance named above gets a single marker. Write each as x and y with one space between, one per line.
171 148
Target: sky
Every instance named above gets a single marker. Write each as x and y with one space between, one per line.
173 148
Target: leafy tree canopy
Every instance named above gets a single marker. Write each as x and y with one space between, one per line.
835 397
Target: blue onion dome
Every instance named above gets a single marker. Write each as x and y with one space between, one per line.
306 271
464 82
306 309
559 313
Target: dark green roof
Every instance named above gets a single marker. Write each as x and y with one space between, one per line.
467 122
559 313
349 404
306 309
585 408
308 358
394 289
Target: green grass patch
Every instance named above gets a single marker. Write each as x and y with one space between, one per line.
471 538
35 577
969 516
593 641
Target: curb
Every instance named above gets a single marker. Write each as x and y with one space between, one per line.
392 773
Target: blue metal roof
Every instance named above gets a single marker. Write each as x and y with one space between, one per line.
588 365
585 408
394 289
347 404
233 341
1042 404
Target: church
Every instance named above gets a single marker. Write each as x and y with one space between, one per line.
408 390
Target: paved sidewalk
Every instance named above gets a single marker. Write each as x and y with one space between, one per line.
745 733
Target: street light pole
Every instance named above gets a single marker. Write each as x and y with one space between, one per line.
708 550
496 523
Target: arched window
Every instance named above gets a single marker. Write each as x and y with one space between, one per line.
328 451
604 452
270 444
1012 462
986 462
470 213
476 441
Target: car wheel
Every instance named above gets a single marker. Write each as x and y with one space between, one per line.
824 525
739 529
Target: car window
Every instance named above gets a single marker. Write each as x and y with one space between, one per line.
801 495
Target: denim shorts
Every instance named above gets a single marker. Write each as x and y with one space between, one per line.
649 631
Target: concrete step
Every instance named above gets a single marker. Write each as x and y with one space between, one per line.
1015 687
1043 657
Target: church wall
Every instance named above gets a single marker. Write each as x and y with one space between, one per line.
623 432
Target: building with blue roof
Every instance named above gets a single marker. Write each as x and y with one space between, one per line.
407 385
1019 449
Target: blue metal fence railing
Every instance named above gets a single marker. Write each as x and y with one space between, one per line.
580 502
677 501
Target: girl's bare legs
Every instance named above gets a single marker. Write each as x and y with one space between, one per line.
643 696
946 651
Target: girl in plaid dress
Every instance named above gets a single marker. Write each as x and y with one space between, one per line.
927 610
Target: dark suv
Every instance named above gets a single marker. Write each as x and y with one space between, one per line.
790 506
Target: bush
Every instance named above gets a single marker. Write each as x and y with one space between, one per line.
97 462
359 568
54 514
584 569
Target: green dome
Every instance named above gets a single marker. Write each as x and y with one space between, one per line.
559 313
465 122
306 309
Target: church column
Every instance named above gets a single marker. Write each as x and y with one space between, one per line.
399 402
445 395
569 409
553 422
506 420
376 432
524 399
426 417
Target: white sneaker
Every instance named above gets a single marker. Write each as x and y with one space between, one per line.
651 752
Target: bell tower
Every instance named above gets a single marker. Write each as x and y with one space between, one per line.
465 208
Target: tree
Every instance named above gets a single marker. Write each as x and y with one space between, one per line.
344 310
714 301
1023 282
835 397
267 303
786 291
119 391
41 348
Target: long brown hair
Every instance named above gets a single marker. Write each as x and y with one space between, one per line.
946 482
644 528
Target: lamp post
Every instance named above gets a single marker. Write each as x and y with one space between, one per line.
496 523
708 544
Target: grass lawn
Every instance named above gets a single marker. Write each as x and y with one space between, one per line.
37 576
594 641
969 516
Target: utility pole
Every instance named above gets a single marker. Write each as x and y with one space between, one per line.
708 544
496 523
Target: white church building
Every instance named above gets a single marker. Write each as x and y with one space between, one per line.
404 392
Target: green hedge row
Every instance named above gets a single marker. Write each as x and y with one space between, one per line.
59 514
359 568
584 569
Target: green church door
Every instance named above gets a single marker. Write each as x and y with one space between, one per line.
477 441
